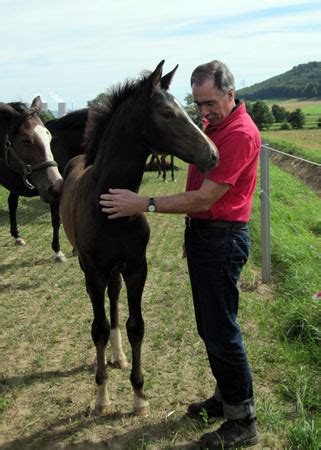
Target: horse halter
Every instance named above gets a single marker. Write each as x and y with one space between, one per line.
27 169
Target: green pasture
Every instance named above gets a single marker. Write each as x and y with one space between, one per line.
47 376
304 143
310 107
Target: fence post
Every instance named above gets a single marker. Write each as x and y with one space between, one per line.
265 213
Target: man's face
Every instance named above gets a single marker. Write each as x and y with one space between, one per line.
212 103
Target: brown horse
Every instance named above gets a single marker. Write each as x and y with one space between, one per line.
67 134
158 163
140 115
27 166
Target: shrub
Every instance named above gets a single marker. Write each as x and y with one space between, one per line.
297 119
285 126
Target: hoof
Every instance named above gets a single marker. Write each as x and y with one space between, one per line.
20 241
60 257
142 411
102 410
121 363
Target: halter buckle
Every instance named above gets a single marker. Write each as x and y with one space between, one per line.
27 170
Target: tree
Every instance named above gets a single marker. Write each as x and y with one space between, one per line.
311 90
99 100
46 115
248 106
319 122
279 113
192 111
297 118
261 114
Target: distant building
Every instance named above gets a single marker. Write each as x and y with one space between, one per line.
62 109
44 106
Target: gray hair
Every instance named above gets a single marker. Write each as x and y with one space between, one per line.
218 72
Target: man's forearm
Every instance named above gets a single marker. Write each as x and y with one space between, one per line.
184 203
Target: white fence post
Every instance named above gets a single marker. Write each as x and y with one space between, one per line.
265 213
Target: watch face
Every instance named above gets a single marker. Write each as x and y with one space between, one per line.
151 208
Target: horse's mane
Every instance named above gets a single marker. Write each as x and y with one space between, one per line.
24 111
99 117
74 119
20 107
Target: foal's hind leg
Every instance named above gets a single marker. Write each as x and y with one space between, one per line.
135 281
13 205
100 331
114 286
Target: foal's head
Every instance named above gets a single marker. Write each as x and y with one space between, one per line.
153 119
25 148
169 129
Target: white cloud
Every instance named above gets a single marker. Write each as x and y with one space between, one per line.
76 49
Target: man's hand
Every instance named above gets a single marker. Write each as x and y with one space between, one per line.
122 203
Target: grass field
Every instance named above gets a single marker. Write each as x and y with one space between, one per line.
307 106
47 379
304 143
310 108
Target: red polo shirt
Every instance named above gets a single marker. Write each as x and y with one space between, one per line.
238 141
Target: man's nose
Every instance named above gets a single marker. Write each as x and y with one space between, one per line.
204 110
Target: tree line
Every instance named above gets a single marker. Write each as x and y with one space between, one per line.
264 117
261 113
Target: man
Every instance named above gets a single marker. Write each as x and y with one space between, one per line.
218 206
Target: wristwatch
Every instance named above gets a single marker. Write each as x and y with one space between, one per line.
151 205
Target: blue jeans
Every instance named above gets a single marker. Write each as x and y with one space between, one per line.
215 259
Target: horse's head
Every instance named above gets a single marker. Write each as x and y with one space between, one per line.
168 127
25 148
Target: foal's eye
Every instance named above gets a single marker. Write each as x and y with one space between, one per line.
168 114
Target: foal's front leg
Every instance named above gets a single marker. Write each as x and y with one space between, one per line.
100 331
135 281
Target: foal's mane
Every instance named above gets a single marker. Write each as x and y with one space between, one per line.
74 119
99 117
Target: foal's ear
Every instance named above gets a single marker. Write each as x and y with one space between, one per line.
167 79
155 77
36 103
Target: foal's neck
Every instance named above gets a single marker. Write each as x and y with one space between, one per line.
120 162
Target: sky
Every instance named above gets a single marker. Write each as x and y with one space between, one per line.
72 50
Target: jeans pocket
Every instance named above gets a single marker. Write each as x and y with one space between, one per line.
239 257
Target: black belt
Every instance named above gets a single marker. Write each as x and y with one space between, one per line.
204 223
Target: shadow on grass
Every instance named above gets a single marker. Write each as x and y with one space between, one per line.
54 436
27 380
26 263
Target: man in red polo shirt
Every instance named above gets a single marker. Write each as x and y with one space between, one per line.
218 206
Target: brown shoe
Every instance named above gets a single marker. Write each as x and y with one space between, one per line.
231 434
210 410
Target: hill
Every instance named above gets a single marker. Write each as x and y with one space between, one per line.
302 81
